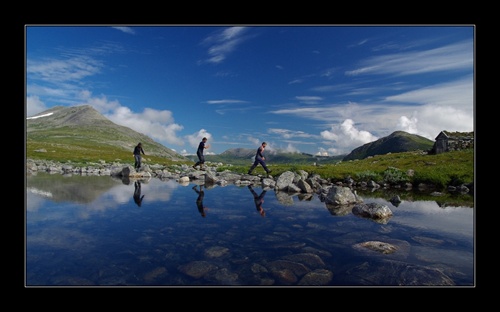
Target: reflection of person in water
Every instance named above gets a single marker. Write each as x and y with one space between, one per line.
259 200
137 193
199 200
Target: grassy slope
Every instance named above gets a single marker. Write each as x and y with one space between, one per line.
452 168
75 150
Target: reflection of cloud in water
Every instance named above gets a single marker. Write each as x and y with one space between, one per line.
75 189
154 190
112 196
460 217
119 194
33 201
39 192
158 190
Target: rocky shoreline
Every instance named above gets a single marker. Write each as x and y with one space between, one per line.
181 173
299 182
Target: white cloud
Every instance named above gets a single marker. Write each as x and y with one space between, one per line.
160 130
291 149
346 137
408 124
34 105
322 152
255 141
433 119
195 138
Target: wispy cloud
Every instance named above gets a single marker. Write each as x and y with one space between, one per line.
309 99
56 71
288 134
458 93
126 30
226 102
457 56
224 42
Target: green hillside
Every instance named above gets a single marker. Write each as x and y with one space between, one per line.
397 142
83 134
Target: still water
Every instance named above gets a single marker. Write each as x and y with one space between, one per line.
101 231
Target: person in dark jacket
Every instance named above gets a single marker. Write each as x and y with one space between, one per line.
201 158
260 159
137 155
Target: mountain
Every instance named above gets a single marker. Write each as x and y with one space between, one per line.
245 156
397 142
80 128
240 152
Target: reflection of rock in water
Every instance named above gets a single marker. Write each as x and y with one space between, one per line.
395 201
339 210
125 180
284 198
79 189
305 197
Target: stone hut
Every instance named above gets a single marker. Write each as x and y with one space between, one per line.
452 141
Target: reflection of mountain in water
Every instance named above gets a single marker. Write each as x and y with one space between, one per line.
79 189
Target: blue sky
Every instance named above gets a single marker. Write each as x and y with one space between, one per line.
313 89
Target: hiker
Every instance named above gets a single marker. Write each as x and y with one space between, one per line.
199 200
137 193
137 155
259 200
260 159
201 158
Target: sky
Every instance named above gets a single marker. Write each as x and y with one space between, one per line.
316 89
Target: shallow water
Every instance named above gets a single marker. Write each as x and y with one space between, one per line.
91 231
